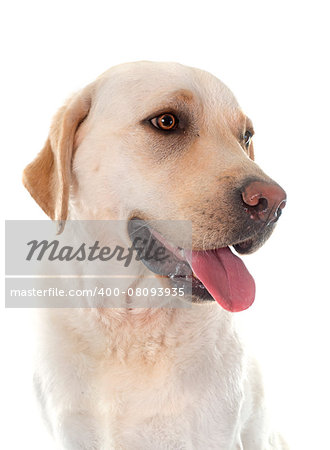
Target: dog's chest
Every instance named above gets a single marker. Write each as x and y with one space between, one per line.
178 384
193 397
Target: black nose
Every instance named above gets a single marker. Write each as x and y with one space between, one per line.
263 201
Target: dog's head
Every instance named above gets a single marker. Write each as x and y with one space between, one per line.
149 141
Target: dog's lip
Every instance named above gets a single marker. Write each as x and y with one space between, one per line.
241 247
244 246
179 252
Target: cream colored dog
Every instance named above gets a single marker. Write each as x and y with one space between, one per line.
149 141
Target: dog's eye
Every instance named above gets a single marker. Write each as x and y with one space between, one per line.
165 122
247 138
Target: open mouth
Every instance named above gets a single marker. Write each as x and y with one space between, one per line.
215 274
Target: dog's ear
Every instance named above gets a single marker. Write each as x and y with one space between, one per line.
48 176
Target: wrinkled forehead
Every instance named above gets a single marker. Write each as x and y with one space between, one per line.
140 89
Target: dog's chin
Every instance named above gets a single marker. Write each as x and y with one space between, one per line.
208 274
252 244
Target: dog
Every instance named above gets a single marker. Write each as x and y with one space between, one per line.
150 142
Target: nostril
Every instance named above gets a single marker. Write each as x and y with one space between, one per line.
250 198
263 201
278 212
257 209
254 202
262 205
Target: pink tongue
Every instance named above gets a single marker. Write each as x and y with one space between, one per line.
225 277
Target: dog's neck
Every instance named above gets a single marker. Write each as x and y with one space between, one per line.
149 335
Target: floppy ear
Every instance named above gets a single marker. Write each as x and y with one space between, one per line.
48 176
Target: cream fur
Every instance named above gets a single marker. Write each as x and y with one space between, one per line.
152 378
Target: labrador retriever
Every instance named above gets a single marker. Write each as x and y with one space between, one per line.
146 142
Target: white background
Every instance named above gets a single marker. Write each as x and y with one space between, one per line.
275 58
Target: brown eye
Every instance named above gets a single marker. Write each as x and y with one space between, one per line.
165 122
